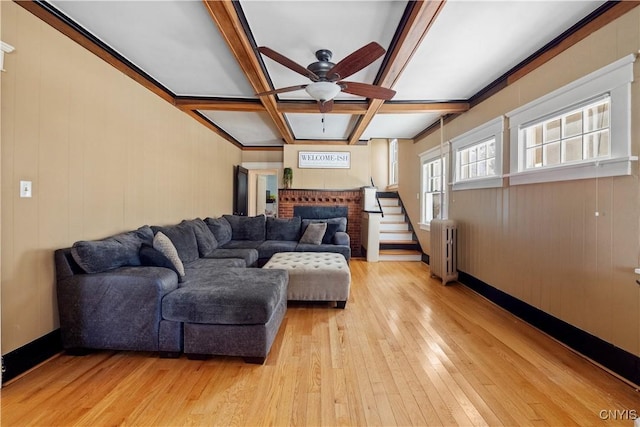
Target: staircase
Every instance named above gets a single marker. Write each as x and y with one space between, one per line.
397 241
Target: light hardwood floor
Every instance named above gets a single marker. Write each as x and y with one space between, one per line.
405 351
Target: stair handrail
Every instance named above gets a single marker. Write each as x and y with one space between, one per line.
377 198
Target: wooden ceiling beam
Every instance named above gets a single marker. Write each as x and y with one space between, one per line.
361 107
349 107
322 141
423 107
213 104
223 14
418 23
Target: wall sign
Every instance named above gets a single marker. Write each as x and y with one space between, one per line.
324 159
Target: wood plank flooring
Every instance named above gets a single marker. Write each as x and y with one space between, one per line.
405 351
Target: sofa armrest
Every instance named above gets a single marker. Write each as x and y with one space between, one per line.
119 309
341 238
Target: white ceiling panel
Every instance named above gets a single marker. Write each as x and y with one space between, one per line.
175 42
399 125
297 29
252 129
472 43
311 126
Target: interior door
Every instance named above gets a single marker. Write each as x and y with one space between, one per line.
240 197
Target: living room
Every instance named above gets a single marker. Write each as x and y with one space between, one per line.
105 154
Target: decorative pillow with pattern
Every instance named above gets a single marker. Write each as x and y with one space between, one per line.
163 244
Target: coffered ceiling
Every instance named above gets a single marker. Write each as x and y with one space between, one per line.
441 57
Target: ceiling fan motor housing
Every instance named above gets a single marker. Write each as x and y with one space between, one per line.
323 65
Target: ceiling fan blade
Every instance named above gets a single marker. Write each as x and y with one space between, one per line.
283 60
282 90
326 106
355 61
367 90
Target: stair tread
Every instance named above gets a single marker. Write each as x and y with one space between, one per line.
399 252
399 242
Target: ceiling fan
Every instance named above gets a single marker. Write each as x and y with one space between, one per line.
326 77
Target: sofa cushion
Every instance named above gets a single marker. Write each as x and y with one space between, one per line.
116 251
235 296
214 264
163 244
220 228
243 244
149 256
204 237
283 228
183 238
341 221
250 256
246 227
314 233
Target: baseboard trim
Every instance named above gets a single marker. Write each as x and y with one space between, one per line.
613 358
30 355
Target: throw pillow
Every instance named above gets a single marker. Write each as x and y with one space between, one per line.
331 231
314 233
220 228
163 244
154 258
283 228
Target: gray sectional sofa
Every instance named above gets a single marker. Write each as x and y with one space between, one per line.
181 288
272 235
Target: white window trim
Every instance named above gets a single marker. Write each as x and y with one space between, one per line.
615 79
492 129
428 156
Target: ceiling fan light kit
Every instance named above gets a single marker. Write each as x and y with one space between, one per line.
323 91
326 77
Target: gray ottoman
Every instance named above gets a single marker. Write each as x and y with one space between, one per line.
314 276
236 312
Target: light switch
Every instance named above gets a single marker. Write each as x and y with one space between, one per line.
25 188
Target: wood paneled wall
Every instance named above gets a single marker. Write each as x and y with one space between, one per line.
542 243
104 154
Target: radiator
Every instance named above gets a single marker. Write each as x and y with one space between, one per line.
443 261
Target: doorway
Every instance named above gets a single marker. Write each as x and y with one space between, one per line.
263 192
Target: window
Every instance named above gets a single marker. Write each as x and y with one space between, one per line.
582 130
393 162
478 157
433 187
579 134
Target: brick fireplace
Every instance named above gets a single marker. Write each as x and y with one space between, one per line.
352 199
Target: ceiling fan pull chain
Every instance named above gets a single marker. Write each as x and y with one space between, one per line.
322 122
